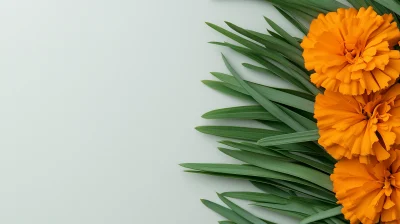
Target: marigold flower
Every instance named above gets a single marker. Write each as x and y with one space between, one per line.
364 126
369 193
352 51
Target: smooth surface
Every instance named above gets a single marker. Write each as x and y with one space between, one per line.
99 100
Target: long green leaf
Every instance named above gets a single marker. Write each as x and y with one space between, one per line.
296 170
294 71
291 52
241 133
271 189
327 168
242 112
256 197
311 191
296 137
270 93
237 209
259 58
323 215
390 4
220 87
293 20
254 148
305 122
284 34
266 103
226 222
245 170
225 212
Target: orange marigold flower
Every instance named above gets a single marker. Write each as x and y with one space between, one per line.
369 193
352 52
364 126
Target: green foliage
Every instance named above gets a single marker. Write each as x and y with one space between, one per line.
283 160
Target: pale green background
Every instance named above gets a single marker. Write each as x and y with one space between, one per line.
99 100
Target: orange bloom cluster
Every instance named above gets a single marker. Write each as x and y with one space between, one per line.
369 192
358 116
363 126
352 52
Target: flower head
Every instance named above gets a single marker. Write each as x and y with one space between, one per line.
364 126
352 52
369 193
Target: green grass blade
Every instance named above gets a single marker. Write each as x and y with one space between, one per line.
220 87
304 136
267 104
284 34
323 215
390 4
271 189
225 212
243 112
272 94
311 191
244 170
325 167
293 20
299 171
226 222
241 133
290 51
256 197
294 71
358 3
258 58
240 211
305 122
249 147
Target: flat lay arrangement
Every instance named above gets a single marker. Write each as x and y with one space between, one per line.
329 151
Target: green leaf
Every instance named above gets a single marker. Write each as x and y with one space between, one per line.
278 125
390 4
268 92
290 207
242 112
291 52
285 213
319 5
299 171
245 146
305 122
272 33
284 34
256 197
245 170
240 211
258 58
323 215
271 189
358 3
225 212
242 133
220 87
294 71
323 194
329 5
327 168
296 137
260 70
266 103
293 20
294 6
226 222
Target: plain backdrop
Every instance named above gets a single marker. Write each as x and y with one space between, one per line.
99 100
